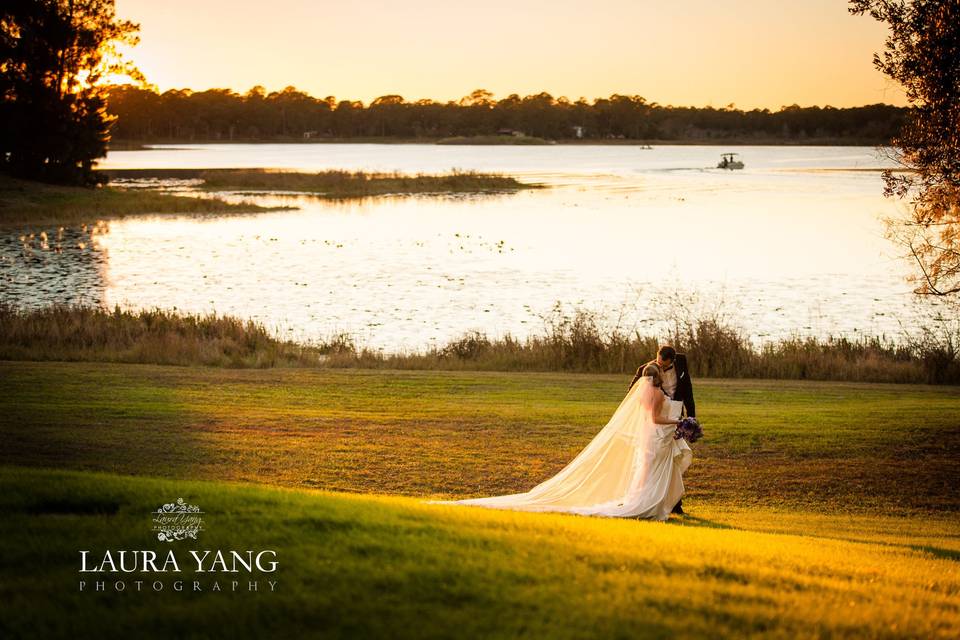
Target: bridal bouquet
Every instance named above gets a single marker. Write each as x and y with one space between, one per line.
688 429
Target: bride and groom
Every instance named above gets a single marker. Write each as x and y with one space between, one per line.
634 466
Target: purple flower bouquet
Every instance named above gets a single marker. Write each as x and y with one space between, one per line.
689 429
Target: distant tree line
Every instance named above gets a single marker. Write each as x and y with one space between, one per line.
222 114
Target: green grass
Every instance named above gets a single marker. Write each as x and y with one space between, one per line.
24 202
379 566
816 510
831 448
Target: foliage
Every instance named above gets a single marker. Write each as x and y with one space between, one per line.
222 114
54 55
922 53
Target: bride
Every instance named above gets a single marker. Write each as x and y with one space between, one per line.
632 468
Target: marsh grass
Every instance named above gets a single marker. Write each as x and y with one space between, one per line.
574 343
60 332
356 184
28 202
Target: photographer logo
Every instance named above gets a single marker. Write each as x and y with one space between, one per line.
177 521
175 568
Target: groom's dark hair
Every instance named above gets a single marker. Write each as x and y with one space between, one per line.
667 352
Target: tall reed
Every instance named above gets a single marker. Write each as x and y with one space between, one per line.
68 332
573 342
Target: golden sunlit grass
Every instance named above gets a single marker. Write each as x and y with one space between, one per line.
353 184
378 566
28 202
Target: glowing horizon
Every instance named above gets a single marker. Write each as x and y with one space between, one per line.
748 53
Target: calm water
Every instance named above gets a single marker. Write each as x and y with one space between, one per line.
793 244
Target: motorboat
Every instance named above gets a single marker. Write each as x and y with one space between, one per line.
730 161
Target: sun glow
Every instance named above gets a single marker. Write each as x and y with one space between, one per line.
751 53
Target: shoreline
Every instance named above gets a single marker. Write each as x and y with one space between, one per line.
146 145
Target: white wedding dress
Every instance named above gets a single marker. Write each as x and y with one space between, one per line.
632 468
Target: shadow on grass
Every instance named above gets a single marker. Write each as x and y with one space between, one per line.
694 521
938 552
945 554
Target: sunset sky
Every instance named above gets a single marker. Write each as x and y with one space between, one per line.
752 53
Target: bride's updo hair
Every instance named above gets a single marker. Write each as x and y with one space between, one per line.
653 371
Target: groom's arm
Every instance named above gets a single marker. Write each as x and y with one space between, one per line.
691 405
688 396
635 378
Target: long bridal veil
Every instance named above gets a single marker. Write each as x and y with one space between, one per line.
626 470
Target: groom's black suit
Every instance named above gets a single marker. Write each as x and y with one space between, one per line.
684 391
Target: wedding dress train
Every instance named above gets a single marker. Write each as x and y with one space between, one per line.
633 467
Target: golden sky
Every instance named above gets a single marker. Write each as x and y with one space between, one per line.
752 53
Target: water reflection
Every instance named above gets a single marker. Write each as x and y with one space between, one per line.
65 265
792 250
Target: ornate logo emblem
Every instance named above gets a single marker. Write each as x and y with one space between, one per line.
177 521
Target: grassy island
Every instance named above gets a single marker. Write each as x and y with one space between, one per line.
30 202
358 184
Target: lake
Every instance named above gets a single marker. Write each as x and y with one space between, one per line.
791 245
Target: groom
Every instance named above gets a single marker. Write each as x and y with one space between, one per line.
676 383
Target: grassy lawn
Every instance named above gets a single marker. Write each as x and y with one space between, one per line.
816 509
380 566
819 446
